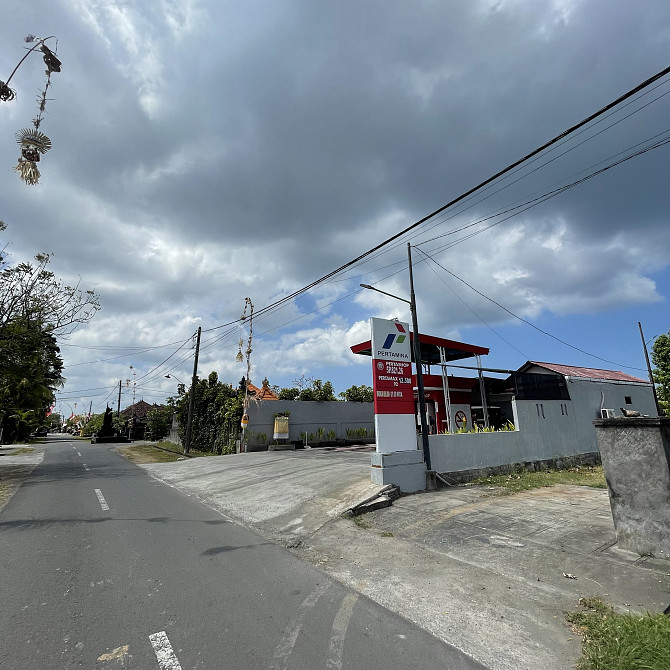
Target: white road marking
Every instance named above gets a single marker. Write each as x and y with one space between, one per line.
286 644
101 498
339 632
78 453
86 467
167 659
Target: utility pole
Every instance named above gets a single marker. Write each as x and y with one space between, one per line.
651 376
191 399
118 405
417 361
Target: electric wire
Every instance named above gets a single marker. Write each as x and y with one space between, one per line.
516 316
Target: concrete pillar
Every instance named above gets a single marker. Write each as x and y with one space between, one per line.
635 454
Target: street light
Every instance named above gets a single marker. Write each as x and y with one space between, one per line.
175 377
417 356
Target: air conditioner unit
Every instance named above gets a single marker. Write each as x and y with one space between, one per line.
607 414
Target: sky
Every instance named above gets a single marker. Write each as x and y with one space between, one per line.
208 152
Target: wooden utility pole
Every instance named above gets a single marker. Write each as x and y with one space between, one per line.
191 398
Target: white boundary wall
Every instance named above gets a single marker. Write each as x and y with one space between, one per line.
546 429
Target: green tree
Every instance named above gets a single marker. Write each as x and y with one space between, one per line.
660 356
35 310
159 421
217 411
318 391
360 393
288 393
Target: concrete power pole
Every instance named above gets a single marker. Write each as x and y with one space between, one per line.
191 399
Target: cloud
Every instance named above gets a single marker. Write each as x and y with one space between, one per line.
206 152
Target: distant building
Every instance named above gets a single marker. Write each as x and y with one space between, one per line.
137 415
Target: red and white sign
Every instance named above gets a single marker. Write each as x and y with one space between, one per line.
395 423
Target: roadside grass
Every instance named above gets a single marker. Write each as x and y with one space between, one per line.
194 453
147 453
613 641
359 521
161 452
524 481
22 450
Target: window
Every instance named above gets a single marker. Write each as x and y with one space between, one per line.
629 400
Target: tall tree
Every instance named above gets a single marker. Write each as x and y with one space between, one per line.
36 309
660 356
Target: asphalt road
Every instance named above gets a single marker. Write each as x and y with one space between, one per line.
101 566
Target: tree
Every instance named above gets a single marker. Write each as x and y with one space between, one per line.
32 293
217 411
307 388
288 393
159 421
35 309
660 356
360 393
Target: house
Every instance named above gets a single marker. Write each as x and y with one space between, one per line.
552 407
137 415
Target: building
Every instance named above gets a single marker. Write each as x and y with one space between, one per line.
546 409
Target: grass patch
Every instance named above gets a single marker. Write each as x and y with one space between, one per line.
161 452
613 641
359 521
387 534
524 481
147 453
194 453
22 450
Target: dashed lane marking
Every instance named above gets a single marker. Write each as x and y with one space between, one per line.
78 453
167 660
101 498
339 632
287 642
86 467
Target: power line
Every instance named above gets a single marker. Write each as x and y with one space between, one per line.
516 316
648 82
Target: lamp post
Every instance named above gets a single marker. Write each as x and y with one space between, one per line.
175 377
417 356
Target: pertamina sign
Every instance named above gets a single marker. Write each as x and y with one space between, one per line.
392 385
392 367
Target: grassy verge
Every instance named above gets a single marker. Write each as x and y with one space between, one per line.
22 450
524 481
613 641
147 453
162 452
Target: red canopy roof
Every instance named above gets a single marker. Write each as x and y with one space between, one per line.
430 353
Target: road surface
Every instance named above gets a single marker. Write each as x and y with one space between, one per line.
104 567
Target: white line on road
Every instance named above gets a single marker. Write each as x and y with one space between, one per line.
286 644
86 467
339 632
101 498
78 453
167 659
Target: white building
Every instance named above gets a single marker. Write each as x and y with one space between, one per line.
552 407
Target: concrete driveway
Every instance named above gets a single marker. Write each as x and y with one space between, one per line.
490 575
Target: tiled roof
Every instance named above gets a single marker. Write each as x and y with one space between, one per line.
264 393
138 410
590 373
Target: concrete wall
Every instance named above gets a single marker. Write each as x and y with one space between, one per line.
309 416
636 461
546 429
